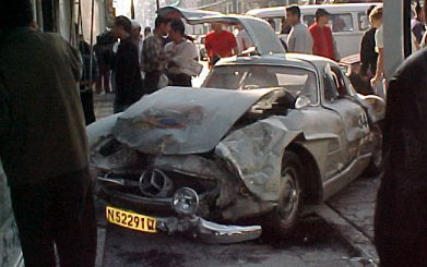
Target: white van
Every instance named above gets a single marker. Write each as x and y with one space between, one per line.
348 22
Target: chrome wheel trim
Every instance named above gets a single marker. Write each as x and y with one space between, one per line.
289 203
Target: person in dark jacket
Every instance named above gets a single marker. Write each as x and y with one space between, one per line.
128 75
43 142
103 50
401 213
368 55
88 79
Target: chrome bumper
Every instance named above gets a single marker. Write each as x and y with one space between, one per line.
209 232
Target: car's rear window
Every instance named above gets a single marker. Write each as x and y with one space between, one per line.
294 80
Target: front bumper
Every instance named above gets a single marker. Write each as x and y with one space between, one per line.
194 226
209 232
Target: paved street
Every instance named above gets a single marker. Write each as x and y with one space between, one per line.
317 242
340 234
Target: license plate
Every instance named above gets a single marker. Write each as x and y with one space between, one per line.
130 220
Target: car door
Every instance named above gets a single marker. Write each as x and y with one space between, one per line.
354 118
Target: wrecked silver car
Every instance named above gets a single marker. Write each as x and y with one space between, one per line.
268 134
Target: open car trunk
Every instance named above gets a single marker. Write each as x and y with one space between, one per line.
265 40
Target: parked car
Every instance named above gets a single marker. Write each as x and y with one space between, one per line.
267 135
348 22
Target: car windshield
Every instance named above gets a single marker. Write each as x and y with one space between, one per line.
295 81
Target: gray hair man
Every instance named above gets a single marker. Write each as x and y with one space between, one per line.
299 39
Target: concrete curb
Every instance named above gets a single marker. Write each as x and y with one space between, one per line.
351 235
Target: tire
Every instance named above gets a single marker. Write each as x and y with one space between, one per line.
285 216
377 161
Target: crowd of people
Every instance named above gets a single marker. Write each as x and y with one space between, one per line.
132 64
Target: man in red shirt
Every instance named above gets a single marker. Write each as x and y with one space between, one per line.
219 43
323 42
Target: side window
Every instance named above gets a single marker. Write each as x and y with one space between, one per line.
363 20
276 24
342 22
309 19
330 89
340 81
335 84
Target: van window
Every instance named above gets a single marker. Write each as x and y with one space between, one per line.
363 20
277 22
339 22
309 19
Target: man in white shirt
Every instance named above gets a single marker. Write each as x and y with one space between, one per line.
376 19
182 55
299 39
243 39
137 38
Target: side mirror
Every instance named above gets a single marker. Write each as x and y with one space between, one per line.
302 102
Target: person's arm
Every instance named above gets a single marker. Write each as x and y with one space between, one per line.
379 73
291 41
209 52
380 63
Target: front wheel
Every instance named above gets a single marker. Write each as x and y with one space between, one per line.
285 216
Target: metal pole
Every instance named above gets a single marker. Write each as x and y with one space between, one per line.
91 43
407 33
158 4
132 9
72 27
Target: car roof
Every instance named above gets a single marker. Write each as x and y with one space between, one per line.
290 59
311 9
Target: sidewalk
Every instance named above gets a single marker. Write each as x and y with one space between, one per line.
357 204
103 105
351 211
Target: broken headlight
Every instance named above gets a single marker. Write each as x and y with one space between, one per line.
185 201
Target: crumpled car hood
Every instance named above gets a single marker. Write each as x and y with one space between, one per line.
180 120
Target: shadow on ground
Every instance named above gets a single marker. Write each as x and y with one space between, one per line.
315 243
